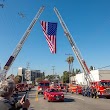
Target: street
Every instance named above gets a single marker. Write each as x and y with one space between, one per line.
72 102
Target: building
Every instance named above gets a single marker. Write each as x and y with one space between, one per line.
36 74
96 75
30 75
21 72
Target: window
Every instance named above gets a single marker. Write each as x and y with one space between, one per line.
41 84
46 84
53 90
104 83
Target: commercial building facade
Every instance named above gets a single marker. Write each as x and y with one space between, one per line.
30 75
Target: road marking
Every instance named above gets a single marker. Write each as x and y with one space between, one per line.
77 98
36 96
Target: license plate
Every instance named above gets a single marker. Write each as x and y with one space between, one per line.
57 98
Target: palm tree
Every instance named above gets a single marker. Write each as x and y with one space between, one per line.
70 60
91 68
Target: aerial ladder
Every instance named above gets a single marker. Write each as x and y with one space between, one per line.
74 48
19 46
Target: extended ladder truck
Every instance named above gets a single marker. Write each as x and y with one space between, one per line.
75 49
19 46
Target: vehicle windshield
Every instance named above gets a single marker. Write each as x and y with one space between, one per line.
62 84
46 84
105 84
53 90
43 84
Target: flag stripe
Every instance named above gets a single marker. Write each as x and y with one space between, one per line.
47 38
48 42
49 30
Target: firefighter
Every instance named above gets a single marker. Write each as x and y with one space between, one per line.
88 91
95 92
66 88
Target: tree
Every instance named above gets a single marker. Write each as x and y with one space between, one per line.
73 72
51 77
18 79
77 71
70 60
38 79
91 68
65 77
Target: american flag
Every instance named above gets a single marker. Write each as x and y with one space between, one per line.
49 30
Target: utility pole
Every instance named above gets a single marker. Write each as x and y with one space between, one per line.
28 65
69 66
53 71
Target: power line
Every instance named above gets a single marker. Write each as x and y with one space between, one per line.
104 67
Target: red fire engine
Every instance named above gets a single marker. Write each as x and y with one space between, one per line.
43 85
102 88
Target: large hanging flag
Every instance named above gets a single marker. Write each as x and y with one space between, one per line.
49 30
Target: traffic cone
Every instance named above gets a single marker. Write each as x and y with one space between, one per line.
97 97
36 96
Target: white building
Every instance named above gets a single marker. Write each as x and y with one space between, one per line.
30 75
96 75
21 71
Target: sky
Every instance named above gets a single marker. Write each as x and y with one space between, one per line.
87 20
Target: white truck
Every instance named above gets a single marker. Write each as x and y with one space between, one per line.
96 75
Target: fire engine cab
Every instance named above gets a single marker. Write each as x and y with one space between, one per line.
42 86
102 88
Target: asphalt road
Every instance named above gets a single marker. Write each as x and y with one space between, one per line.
72 102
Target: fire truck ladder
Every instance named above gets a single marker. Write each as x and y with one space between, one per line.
19 45
74 48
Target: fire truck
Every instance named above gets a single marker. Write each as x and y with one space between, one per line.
19 46
21 87
42 86
75 88
101 82
95 88
75 49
